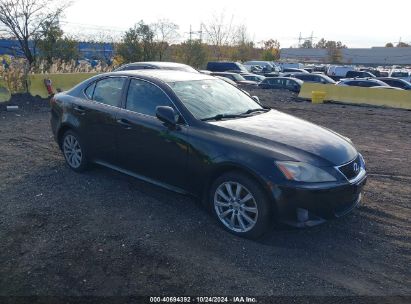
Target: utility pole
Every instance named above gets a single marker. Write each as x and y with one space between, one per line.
199 33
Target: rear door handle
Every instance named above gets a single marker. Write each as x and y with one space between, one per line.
124 123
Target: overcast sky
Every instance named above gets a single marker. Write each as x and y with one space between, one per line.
357 23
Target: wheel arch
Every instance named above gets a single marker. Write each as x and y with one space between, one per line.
63 129
229 167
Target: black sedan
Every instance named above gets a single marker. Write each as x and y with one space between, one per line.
315 78
396 82
196 134
281 83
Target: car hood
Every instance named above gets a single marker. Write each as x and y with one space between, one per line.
293 137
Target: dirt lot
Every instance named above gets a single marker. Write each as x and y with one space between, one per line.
105 234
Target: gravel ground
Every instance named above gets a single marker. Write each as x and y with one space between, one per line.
102 233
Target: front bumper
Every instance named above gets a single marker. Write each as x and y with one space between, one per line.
303 206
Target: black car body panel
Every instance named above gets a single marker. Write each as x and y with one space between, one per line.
189 156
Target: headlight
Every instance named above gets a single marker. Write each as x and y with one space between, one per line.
303 172
362 161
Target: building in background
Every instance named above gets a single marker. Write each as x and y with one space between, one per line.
361 56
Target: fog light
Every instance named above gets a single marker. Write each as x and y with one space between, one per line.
302 215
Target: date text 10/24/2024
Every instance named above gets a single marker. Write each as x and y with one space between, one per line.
238 299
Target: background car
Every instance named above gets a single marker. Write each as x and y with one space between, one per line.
396 82
223 66
228 80
401 74
293 70
281 83
316 78
362 82
156 65
338 72
253 77
237 78
359 74
267 66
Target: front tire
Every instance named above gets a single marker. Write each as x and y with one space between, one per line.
240 205
73 151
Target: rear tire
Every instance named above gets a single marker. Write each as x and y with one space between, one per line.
240 205
74 151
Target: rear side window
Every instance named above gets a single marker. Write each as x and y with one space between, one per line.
108 91
304 77
290 83
143 97
274 81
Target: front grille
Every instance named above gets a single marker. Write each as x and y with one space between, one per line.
349 169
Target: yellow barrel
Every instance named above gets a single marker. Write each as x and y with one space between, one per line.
317 96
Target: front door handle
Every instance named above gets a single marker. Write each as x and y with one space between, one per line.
80 109
124 123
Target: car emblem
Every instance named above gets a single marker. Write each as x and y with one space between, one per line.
356 168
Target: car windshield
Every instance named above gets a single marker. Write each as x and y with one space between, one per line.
238 77
212 97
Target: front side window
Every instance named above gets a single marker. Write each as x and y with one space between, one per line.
108 91
211 97
144 97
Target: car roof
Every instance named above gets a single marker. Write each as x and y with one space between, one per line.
159 64
290 78
163 75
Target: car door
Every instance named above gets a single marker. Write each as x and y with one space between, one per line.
276 83
99 110
291 85
146 146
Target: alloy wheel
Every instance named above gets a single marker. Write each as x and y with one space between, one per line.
235 206
72 151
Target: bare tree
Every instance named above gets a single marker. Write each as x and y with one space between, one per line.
23 20
166 33
220 33
243 48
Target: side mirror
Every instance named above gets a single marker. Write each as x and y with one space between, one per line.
167 115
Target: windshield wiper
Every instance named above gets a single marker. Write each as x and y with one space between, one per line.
222 116
256 110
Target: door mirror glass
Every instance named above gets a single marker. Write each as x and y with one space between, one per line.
167 115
